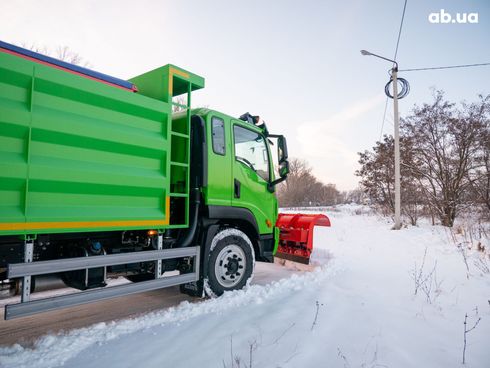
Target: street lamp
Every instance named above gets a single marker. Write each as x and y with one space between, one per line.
394 76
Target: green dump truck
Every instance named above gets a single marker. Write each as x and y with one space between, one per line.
100 178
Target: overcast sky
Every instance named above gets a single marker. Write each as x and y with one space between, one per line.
294 63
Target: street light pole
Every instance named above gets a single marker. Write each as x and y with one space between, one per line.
398 224
394 76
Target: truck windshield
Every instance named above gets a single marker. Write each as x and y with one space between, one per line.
251 150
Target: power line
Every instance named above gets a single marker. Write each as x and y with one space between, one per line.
390 120
384 118
394 58
445 67
400 30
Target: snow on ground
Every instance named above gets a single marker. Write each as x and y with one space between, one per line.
356 309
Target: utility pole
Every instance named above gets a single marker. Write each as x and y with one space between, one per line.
394 75
394 79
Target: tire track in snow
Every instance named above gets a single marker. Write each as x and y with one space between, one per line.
55 350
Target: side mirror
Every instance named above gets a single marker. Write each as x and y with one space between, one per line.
282 150
282 157
284 169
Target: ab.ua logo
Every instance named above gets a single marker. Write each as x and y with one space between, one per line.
445 18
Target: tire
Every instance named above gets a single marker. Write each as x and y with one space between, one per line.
231 262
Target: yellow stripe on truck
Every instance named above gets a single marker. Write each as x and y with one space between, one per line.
171 73
6 226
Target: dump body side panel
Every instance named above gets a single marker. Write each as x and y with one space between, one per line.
77 154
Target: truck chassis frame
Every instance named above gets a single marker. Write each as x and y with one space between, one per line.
27 269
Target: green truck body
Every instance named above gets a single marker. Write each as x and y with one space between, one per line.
77 154
96 162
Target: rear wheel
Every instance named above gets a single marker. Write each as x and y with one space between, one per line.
231 262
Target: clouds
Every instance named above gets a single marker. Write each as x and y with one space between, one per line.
331 144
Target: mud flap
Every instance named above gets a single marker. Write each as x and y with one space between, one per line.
194 288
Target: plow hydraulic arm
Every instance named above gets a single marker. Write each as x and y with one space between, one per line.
296 235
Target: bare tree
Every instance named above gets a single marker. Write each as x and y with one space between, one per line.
291 193
479 176
354 196
377 174
63 53
377 177
443 154
302 188
445 161
179 103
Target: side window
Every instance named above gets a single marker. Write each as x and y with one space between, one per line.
218 132
251 150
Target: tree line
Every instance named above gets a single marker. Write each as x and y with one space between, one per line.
303 189
444 162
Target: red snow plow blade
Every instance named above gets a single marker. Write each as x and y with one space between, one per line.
296 235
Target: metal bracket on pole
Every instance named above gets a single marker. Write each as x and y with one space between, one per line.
158 263
26 280
197 261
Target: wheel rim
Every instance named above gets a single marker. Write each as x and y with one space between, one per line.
230 265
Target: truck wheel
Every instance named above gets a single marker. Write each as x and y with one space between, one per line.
231 262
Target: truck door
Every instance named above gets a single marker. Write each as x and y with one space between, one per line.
218 191
251 174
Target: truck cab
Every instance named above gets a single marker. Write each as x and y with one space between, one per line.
237 164
240 170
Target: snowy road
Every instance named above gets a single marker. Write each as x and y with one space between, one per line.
357 310
26 330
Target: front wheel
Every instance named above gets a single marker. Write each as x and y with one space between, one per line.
231 262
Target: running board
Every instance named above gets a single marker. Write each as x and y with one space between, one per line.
80 263
83 297
28 269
